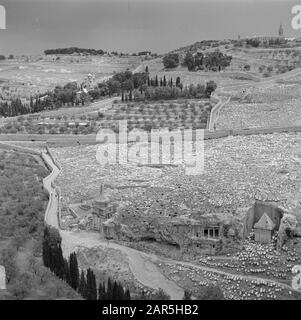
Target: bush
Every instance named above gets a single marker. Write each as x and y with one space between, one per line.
171 60
210 87
270 68
187 295
215 61
161 295
211 292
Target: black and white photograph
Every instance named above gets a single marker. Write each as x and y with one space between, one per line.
150 153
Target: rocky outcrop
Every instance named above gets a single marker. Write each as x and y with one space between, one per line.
288 225
208 231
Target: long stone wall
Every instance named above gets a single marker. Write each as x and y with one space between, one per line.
53 158
73 140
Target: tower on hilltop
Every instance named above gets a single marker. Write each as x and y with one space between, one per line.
280 31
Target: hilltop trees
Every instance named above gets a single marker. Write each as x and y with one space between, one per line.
167 89
189 61
171 60
74 50
214 61
253 43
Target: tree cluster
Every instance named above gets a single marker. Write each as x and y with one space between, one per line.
171 60
85 282
163 82
74 50
61 96
175 92
214 61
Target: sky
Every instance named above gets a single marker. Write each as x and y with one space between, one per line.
136 25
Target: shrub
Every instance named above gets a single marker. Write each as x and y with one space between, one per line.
161 295
171 60
211 292
270 68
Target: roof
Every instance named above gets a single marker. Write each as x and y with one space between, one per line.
265 223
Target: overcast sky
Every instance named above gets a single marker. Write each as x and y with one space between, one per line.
134 25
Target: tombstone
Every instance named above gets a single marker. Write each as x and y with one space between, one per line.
2 278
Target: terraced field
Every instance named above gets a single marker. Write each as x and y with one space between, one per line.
147 116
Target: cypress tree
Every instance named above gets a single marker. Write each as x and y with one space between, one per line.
109 289
120 292
74 272
101 291
127 295
82 288
67 277
164 81
31 104
91 285
115 293
187 295
156 81
122 96
148 81
161 82
46 249
146 69
59 264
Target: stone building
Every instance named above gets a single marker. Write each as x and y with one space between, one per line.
255 213
93 213
102 209
264 229
266 40
206 236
